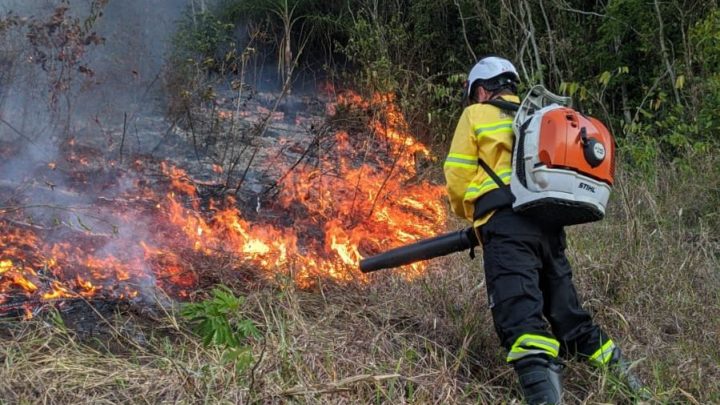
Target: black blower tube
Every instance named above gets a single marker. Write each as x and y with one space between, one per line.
421 250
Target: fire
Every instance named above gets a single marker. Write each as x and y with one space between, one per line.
366 203
362 197
58 291
5 265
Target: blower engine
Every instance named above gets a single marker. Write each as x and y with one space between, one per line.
563 161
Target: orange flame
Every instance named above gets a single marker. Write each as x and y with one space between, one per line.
362 196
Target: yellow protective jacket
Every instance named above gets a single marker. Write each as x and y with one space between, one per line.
483 132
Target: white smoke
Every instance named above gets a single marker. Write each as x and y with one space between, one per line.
113 87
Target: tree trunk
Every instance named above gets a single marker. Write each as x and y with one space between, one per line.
664 53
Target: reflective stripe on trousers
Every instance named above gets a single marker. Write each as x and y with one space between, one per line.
603 355
530 344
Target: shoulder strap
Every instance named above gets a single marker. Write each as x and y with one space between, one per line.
491 173
503 104
494 199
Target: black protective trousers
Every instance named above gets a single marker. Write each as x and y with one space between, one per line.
529 281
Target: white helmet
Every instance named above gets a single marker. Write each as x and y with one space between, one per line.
489 68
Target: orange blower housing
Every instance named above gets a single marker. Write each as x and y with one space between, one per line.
564 142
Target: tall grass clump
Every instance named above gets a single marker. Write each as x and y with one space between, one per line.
651 273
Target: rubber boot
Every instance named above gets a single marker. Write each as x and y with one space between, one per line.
540 380
621 368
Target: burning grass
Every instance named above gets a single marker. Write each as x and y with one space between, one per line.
359 191
650 278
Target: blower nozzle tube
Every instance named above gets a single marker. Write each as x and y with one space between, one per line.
424 249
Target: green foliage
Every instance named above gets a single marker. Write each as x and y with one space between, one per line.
201 44
201 38
370 46
606 55
641 151
705 37
444 104
220 322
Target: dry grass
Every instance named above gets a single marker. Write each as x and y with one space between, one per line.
649 274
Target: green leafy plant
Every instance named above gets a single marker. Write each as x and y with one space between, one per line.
202 37
220 321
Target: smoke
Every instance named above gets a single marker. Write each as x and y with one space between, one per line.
91 90
113 77
67 103
129 65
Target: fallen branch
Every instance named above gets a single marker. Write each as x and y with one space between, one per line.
313 143
36 187
339 385
84 230
122 140
167 133
128 201
17 131
242 178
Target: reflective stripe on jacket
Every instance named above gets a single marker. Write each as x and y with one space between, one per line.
483 132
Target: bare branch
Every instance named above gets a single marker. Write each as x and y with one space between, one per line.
464 31
533 42
664 52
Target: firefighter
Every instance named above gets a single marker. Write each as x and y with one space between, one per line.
527 273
